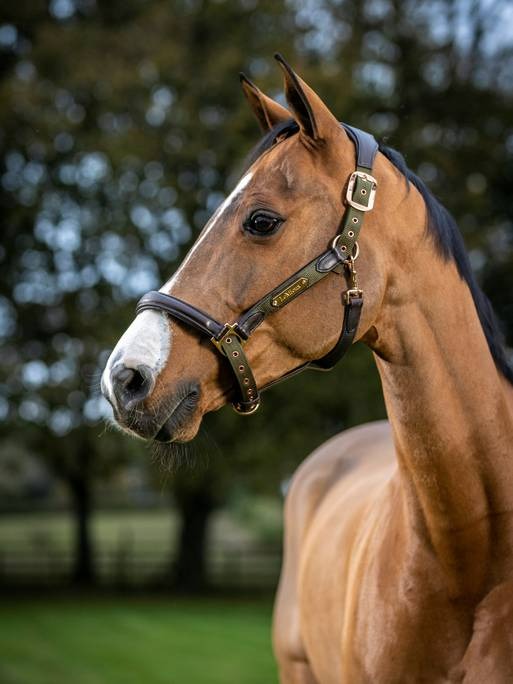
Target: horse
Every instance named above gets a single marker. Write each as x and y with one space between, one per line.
398 550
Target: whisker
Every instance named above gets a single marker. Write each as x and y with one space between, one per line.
92 381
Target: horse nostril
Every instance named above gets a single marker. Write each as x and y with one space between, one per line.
131 385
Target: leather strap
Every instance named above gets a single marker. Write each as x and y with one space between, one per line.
227 339
289 289
365 144
352 311
177 308
230 345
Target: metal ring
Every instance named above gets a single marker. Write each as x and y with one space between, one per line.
356 247
238 409
335 241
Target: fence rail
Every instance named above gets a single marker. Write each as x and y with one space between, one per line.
248 566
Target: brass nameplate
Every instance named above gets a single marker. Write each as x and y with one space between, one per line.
290 292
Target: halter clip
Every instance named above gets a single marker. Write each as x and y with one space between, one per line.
354 292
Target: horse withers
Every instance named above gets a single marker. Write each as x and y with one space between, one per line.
398 561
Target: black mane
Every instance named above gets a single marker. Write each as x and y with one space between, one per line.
441 226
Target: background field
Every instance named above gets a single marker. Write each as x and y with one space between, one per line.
135 641
138 548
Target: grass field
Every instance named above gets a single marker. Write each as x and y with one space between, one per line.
135 641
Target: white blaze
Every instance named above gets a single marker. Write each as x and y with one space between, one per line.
213 221
148 339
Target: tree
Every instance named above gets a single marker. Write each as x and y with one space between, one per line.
122 129
115 149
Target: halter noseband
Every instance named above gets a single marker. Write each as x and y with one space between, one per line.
339 258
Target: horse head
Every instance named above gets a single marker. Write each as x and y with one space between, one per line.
163 376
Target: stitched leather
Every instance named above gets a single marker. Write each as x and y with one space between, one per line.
179 309
366 146
352 311
329 260
228 340
248 392
254 316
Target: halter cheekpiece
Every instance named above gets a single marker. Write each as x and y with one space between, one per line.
229 338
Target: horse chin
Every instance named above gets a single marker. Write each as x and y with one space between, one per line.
184 419
178 418
169 433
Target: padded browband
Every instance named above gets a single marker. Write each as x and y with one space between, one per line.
366 146
229 339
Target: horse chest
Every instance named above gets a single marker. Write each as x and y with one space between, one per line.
387 621
406 632
489 655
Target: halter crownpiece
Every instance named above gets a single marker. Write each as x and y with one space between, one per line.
229 339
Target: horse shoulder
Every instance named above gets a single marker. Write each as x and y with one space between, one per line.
327 467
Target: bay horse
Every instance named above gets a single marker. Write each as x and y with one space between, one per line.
398 562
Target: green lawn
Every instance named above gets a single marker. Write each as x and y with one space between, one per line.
135 641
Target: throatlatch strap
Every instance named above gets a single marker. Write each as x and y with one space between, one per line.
352 311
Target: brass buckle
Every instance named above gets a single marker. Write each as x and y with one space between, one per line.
353 293
350 189
229 329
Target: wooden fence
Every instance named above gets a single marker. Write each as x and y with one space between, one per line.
242 566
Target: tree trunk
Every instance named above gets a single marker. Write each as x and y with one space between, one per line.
195 507
83 567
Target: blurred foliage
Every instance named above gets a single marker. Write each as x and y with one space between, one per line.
122 127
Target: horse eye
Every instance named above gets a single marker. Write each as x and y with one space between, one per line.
262 223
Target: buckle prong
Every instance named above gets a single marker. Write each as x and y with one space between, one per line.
229 329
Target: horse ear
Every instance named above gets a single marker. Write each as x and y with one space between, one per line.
267 111
315 120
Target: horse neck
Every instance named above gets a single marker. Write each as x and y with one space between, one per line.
451 413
